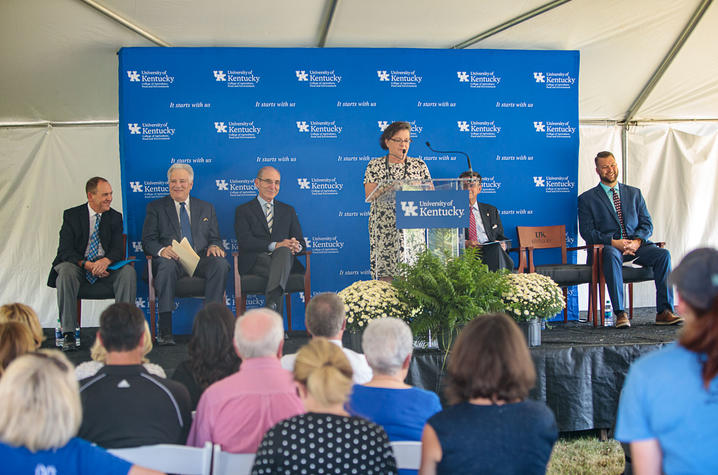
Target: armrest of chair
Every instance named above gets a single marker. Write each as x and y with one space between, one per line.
237 281
307 279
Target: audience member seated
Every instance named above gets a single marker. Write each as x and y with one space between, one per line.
22 313
326 436
39 417
211 353
123 404
402 410
15 340
325 318
236 411
98 353
490 426
669 404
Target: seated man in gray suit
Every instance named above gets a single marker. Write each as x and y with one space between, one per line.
269 237
172 218
485 227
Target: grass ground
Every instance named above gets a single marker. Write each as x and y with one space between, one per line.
586 456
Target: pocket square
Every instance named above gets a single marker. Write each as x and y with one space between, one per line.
205 219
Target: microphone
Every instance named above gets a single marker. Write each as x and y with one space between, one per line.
468 160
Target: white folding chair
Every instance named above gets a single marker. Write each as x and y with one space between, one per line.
407 454
225 463
170 458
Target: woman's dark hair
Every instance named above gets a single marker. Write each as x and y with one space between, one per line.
391 130
211 349
700 335
490 360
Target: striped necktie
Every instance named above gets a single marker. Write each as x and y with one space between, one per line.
473 235
619 212
270 216
94 249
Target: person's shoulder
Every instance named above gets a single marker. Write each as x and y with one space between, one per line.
424 394
590 192
247 204
281 204
197 202
672 355
77 209
488 207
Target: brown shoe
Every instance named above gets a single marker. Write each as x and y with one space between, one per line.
667 317
622 320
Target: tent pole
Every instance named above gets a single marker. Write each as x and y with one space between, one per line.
668 59
327 23
508 24
126 23
624 151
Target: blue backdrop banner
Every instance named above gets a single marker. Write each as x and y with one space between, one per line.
316 115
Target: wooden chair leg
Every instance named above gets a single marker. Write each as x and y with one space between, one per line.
288 300
630 301
79 313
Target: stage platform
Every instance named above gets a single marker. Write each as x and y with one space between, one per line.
580 369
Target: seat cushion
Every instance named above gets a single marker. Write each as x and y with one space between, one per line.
637 274
189 287
255 284
100 290
566 274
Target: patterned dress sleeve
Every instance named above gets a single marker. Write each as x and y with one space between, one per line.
371 175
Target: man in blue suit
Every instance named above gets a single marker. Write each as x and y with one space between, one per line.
615 215
269 237
172 218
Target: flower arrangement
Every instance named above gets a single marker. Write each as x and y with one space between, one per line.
532 296
367 300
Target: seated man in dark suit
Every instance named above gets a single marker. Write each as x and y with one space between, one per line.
615 215
269 237
487 229
90 240
172 218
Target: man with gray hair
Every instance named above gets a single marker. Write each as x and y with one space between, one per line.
175 217
325 317
236 411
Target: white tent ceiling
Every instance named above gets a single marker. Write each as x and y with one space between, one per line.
59 62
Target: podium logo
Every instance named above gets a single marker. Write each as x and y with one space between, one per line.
134 76
409 209
383 75
463 125
302 76
136 186
221 127
137 246
222 185
539 127
539 77
383 124
134 128
302 126
539 181
219 76
303 183
463 76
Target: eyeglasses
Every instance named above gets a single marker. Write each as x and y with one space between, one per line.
62 366
401 140
268 181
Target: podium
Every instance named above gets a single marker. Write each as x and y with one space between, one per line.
430 214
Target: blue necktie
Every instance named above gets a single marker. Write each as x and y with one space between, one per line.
94 248
184 223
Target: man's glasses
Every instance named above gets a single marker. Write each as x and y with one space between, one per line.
401 140
268 181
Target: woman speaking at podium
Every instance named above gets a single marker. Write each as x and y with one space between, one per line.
385 241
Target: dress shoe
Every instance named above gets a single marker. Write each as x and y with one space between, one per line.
667 317
165 340
622 320
68 344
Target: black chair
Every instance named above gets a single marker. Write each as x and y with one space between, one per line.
252 284
186 287
565 275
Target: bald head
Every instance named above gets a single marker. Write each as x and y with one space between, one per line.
259 333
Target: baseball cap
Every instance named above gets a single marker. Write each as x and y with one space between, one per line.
697 277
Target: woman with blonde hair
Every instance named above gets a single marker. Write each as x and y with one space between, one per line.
39 417
15 340
19 312
98 353
491 426
326 437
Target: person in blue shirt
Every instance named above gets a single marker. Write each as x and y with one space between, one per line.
39 417
668 410
386 399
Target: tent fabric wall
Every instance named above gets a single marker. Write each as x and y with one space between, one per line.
44 172
45 169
